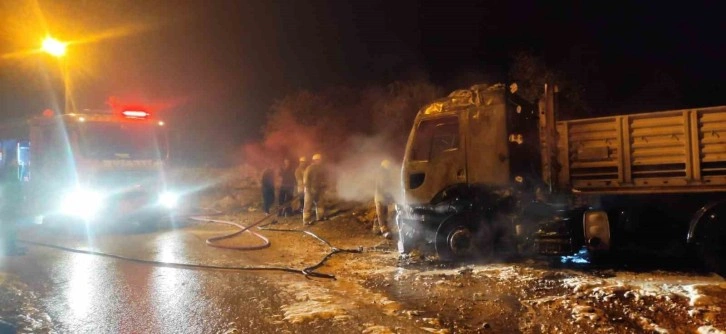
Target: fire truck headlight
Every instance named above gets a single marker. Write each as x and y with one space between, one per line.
168 199
82 203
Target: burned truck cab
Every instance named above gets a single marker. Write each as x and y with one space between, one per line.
471 160
485 171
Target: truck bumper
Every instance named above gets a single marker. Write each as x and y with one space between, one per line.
416 230
554 236
554 245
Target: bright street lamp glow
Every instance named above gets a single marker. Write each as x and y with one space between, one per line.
54 47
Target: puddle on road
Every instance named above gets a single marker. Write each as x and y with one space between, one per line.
524 297
20 307
376 295
310 302
337 300
375 329
349 301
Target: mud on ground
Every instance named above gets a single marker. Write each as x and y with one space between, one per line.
512 297
376 292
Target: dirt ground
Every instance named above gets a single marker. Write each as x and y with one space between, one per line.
375 291
528 296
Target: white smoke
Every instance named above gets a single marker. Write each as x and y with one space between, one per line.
358 169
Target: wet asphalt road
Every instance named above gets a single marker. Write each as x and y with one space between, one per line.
68 292
83 293
89 294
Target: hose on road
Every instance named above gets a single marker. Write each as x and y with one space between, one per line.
169 264
242 229
308 272
211 241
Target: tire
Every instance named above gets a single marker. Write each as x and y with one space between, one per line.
711 248
455 239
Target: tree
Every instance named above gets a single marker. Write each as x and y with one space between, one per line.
306 122
660 92
395 107
531 73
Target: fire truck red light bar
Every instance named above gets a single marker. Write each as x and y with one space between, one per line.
135 113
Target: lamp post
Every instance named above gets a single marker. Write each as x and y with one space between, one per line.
57 49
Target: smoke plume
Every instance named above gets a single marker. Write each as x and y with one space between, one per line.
357 171
354 130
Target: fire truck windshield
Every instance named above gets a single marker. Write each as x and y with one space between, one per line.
128 140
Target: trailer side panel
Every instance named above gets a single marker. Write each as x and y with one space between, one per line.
668 151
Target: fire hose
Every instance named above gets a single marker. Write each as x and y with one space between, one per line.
242 229
307 271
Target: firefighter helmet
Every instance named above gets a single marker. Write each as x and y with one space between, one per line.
317 156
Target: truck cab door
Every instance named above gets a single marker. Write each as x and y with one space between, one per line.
487 151
435 158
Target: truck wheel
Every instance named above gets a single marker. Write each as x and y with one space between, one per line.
455 239
711 248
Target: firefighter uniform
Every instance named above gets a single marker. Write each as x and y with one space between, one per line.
299 182
268 189
383 199
287 188
315 184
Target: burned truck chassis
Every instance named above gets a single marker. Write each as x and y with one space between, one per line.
476 221
465 221
485 170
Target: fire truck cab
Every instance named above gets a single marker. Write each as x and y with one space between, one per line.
99 166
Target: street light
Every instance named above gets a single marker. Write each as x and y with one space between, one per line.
57 49
54 47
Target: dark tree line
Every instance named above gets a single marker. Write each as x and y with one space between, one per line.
327 121
334 119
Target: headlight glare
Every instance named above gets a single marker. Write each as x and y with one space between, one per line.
82 203
168 199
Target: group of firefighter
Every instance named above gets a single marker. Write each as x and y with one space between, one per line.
304 189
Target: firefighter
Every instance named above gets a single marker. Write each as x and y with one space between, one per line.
287 187
315 184
299 175
383 199
10 202
268 189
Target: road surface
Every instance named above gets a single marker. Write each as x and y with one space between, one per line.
48 290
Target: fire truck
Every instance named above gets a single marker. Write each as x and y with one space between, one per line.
94 166
486 171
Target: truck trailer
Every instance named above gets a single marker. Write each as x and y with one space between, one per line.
486 171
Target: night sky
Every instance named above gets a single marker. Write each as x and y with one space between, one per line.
218 65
